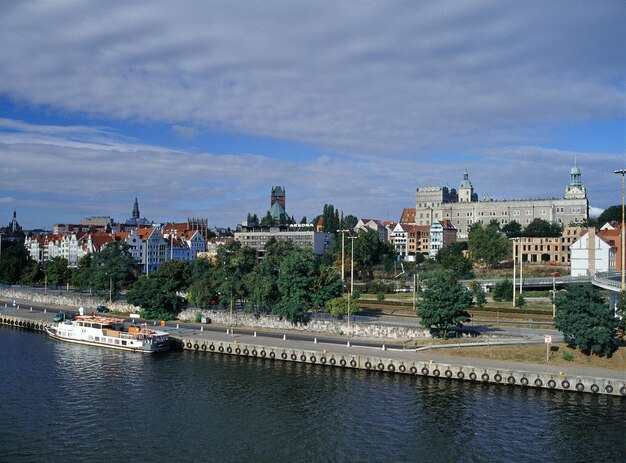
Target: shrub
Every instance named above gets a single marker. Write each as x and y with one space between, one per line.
567 356
380 296
503 291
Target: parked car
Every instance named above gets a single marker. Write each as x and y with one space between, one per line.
62 316
102 309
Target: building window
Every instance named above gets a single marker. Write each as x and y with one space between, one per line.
529 212
515 212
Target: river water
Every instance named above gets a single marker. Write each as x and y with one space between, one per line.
62 402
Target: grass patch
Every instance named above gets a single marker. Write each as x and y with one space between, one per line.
536 353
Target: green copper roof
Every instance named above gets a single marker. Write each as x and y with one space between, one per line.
466 183
276 210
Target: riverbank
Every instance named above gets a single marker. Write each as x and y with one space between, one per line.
363 357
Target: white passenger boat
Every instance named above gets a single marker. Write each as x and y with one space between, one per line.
96 330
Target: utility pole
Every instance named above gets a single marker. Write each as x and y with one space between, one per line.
623 232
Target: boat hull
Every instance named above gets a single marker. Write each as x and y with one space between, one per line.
145 349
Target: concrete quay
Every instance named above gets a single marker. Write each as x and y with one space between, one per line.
404 361
387 359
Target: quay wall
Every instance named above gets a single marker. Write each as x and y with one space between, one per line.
388 362
384 361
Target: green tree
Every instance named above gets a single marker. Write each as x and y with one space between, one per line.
540 228
14 260
203 291
268 220
113 269
520 300
338 307
234 262
81 279
349 222
450 257
369 251
32 273
513 229
156 295
611 214
478 293
503 290
262 282
444 303
620 306
487 245
57 271
587 321
326 286
295 281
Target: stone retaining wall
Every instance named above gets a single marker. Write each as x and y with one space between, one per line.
58 298
335 327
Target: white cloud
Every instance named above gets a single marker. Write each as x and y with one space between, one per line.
383 77
394 94
54 178
595 212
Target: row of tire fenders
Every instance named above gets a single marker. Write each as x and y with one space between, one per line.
29 325
391 367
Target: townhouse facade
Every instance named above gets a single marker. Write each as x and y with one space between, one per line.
150 247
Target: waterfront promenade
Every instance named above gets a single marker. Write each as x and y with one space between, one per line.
327 351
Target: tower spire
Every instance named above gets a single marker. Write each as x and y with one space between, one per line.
136 214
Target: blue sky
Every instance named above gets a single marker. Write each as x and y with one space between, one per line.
199 107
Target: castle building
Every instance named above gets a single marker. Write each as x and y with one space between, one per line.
463 208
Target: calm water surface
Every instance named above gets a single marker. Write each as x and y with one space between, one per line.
62 402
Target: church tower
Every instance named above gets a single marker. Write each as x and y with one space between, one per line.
278 195
466 190
136 209
575 189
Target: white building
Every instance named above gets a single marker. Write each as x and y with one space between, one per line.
320 242
442 233
372 224
591 253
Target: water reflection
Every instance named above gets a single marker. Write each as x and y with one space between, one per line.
200 407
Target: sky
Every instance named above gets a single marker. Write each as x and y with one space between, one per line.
198 108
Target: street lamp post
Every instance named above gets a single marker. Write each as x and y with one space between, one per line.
623 232
352 238
514 268
553 296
